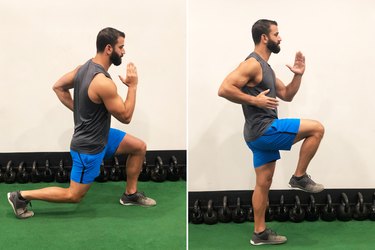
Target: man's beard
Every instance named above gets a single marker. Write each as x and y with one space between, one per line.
273 47
115 58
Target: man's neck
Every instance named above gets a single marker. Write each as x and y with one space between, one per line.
102 60
263 52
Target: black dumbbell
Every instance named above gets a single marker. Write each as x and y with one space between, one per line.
270 213
224 213
328 212
360 210
47 174
9 175
173 170
1 174
282 212
197 214
122 175
61 173
344 211
372 209
183 171
297 212
35 175
158 172
238 213
210 216
22 176
312 211
103 174
145 174
250 214
115 173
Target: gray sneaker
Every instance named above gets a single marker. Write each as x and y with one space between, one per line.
305 184
19 206
268 237
138 198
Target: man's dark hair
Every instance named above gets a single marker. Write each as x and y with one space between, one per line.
107 36
260 27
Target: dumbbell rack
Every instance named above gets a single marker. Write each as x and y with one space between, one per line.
158 166
284 205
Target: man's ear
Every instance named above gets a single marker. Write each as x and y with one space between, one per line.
108 49
264 38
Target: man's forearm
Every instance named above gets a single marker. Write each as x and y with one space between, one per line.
129 103
65 97
293 86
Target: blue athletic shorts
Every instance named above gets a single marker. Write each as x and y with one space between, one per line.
279 136
86 167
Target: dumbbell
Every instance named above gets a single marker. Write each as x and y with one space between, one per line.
123 175
312 211
224 213
197 214
173 170
238 213
344 211
114 173
372 209
297 213
9 175
250 214
210 216
35 175
360 210
183 171
145 174
282 212
328 212
47 174
22 176
103 174
158 172
62 175
270 213
1 174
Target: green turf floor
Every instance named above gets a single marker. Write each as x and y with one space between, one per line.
356 235
99 221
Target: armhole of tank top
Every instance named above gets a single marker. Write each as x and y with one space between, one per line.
95 74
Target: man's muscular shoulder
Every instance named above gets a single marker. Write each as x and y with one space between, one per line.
252 68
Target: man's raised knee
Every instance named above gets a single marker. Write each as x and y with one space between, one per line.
319 129
142 147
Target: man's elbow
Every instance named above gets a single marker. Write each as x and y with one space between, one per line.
222 92
288 98
55 88
126 119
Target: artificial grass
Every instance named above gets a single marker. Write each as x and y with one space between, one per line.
99 221
356 235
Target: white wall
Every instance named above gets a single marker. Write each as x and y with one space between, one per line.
41 40
337 39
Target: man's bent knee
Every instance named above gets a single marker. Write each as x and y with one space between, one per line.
75 198
319 129
140 148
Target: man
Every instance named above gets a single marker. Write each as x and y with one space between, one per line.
254 85
95 100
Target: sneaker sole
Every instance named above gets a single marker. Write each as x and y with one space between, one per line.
11 203
266 243
14 209
134 204
304 190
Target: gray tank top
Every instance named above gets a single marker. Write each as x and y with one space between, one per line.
257 120
91 121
